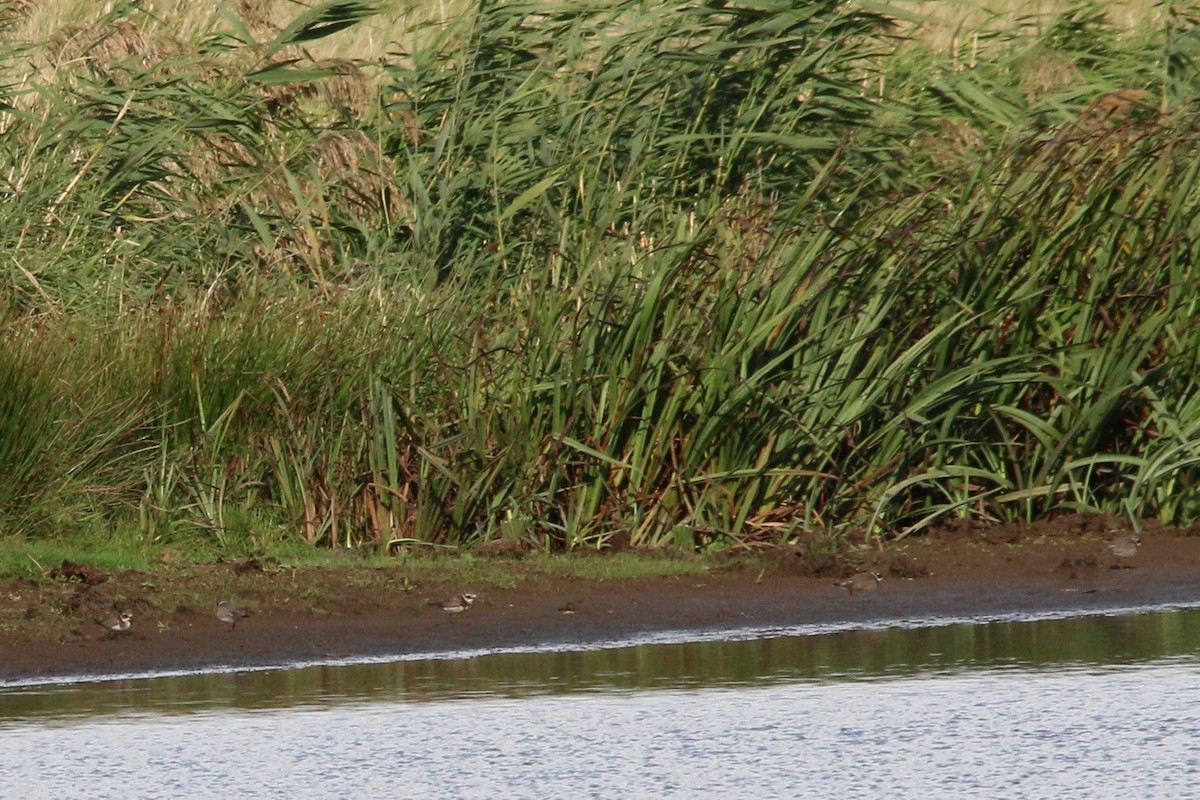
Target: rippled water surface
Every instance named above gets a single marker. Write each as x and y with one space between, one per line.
1085 707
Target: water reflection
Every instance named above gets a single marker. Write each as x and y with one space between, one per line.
1099 642
1060 732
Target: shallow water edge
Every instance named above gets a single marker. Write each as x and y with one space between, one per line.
681 636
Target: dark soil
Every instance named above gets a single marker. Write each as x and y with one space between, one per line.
47 627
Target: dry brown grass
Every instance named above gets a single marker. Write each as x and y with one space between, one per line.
951 26
38 22
954 26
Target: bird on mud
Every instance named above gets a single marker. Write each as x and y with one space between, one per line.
455 605
228 613
116 622
1124 547
860 582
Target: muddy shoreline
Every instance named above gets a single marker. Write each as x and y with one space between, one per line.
953 576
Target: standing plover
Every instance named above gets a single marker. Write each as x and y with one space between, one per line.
860 582
1125 546
455 605
116 622
228 613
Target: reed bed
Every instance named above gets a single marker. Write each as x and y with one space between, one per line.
594 274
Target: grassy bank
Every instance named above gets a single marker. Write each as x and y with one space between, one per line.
594 274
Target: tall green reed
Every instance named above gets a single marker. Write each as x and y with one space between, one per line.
591 273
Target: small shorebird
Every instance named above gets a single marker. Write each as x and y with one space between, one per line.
860 582
1125 546
116 622
455 605
228 613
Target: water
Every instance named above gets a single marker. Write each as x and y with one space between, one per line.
1084 707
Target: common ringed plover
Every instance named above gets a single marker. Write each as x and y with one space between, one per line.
228 613
1125 546
116 622
860 582
455 605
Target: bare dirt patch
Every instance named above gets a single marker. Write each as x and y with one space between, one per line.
47 627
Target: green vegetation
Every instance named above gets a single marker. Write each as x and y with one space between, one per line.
595 272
